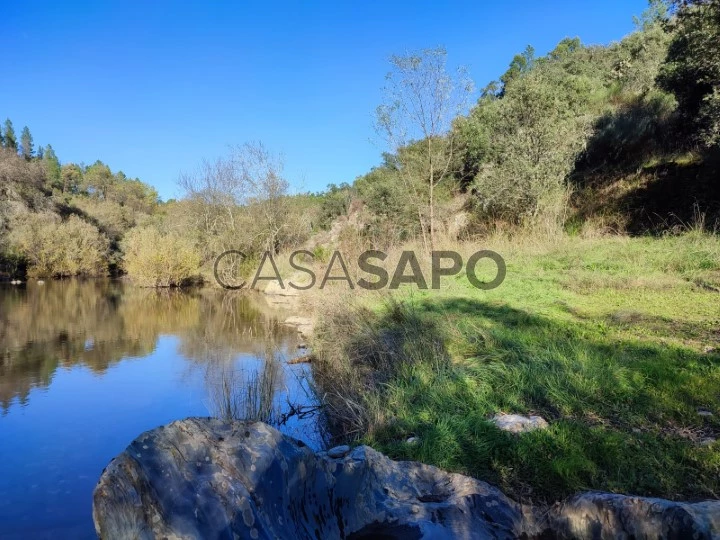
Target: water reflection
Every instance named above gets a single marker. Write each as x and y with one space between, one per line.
87 366
98 323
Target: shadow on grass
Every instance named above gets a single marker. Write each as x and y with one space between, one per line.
623 414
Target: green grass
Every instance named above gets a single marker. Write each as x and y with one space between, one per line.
613 341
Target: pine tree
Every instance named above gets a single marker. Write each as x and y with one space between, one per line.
10 139
52 165
2 138
26 144
40 152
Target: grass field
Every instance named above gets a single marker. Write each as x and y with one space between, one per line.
615 341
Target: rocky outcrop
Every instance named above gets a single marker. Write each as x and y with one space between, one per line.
607 515
206 478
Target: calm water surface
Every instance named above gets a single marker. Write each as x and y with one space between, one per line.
85 367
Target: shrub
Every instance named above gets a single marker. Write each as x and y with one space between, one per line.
536 137
55 248
157 259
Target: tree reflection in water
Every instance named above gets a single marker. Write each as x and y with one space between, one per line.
101 322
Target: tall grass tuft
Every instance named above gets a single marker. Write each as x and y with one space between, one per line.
240 395
359 350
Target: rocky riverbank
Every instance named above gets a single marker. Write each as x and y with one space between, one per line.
205 478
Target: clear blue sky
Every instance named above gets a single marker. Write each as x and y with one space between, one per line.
152 88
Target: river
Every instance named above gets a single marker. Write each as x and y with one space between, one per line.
86 366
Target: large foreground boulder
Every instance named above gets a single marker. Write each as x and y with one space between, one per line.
205 478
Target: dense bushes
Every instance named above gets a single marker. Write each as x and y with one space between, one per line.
518 148
55 248
535 136
159 259
692 69
523 139
63 220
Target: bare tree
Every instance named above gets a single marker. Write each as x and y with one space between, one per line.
421 100
266 191
240 200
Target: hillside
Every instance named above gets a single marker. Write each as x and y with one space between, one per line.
62 220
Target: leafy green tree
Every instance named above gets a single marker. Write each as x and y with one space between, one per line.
98 179
71 175
692 68
335 203
26 144
10 138
52 166
521 63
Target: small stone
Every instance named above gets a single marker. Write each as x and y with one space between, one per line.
704 412
707 441
339 451
413 441
517 423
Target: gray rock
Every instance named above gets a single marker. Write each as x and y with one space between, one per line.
205 478
704 412
517 423
607 515
338 452
412 441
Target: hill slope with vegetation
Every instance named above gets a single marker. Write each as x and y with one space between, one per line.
63 220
